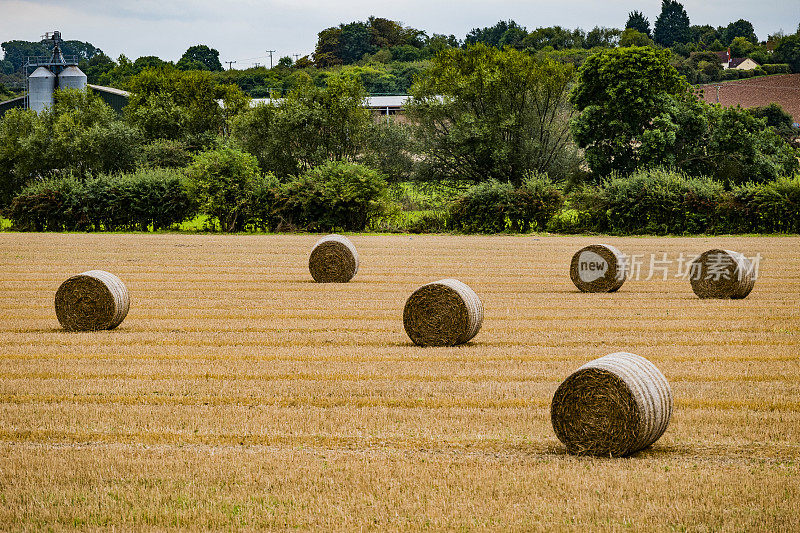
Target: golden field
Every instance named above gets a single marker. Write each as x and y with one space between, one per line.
239 394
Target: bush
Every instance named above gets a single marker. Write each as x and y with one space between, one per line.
778 206
141 200
223 180
494 207
165 153
660 201
777 68
336 195
585 212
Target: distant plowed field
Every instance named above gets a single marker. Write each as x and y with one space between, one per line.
238 393
783 89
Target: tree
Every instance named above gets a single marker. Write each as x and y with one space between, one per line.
602 37
18 52
727 143
223 180
82 50
78 134
740 28
556 36
309 126
788 51
484 114
638 22
198 55
619 92
741 47
438 42
354 42
149 62
493 35
631 37
166 103
327 54
776 118
672 25
704 35
97 66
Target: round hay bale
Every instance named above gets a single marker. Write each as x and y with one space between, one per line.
598 268
90 301
613 406
333 259
442 313
721 274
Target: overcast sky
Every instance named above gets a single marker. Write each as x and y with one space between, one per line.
242 30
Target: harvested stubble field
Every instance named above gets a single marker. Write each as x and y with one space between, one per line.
239 393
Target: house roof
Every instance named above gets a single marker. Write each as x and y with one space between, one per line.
736 61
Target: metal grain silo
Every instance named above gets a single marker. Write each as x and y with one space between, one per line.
40 89
72 78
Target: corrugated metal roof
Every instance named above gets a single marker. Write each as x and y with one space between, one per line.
111 90
373 102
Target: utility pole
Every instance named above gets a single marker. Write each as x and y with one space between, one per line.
270 57
296 56
256 65
229 63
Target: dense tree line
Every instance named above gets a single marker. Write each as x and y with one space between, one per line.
520 115
387 55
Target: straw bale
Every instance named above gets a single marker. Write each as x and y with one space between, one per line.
721 274
91 301
443 313
333 259
598 268
613 406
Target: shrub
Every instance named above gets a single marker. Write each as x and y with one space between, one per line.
336 195
223 180
482 209
660 201
141 200
165 153
430 222
264 203
778 206
777 68
493 207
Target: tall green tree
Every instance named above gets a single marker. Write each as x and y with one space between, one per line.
556 36
672 25
17 52
355 40
730 144
493 35
309 126
200 55
602 37
167 103
788 51
485 114
327 54
631 37
740 28
638 22
619 92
